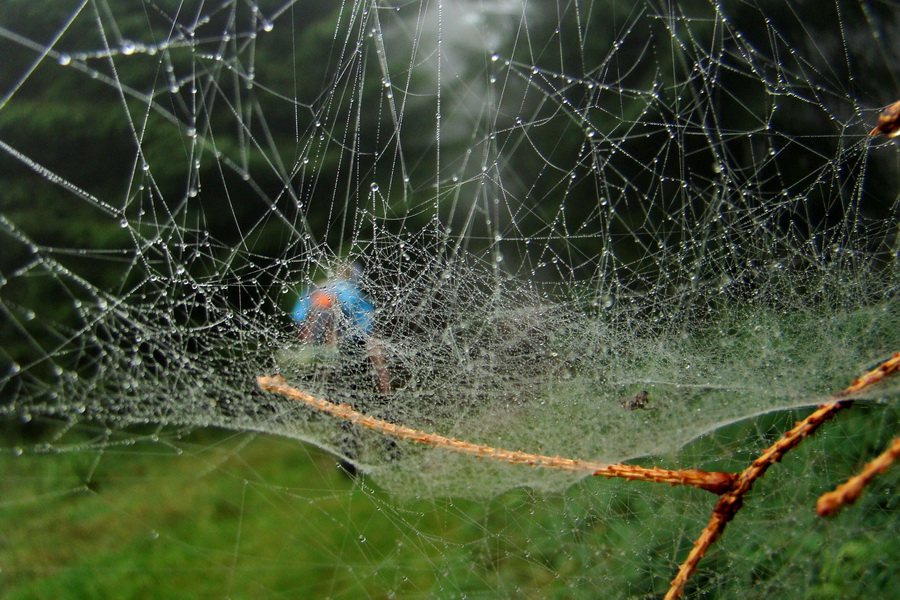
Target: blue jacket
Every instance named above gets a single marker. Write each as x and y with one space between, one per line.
349 297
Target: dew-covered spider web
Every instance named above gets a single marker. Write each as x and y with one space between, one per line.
607 230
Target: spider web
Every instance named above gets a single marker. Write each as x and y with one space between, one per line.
560 212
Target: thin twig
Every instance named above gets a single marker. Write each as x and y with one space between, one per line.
847 493
731 500
888 367
712 481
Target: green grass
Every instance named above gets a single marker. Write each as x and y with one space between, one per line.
170 514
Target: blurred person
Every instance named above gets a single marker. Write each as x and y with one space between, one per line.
338 315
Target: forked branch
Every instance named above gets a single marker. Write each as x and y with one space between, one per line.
730 488
712 481
731 500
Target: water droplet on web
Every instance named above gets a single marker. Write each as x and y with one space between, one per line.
268 26
495 57
128 48
374 187
64 60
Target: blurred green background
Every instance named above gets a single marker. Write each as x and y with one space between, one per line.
167 513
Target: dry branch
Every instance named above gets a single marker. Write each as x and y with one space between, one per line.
847 493
730 488
712 481
731 500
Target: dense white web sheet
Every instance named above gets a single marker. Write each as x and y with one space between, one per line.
556 207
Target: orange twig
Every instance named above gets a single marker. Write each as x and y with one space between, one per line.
847 493
888 367
713 481
732 499
888 123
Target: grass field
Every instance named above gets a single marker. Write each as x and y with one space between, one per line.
175 514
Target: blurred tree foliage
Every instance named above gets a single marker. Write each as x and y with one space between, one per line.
186 129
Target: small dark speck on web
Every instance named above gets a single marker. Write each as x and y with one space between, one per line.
641 401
